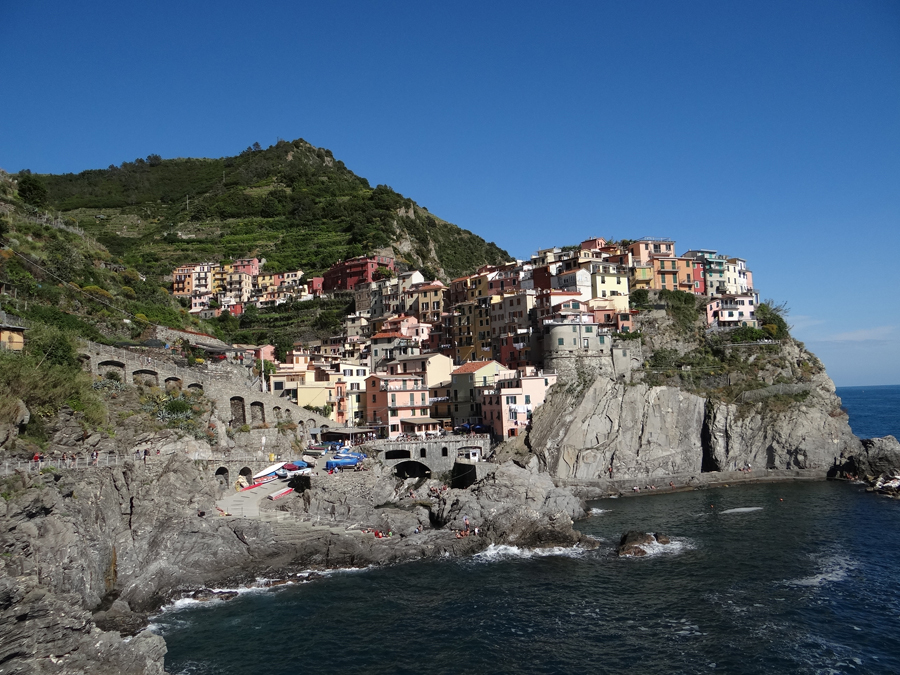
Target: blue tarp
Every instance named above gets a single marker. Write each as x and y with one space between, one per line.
341 463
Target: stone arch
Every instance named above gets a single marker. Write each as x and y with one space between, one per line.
411 469
423 452
247 473
396 454
286 416
257 413
222 476
277 412
174 383
196 385
145 376
112 366
238 413
312 424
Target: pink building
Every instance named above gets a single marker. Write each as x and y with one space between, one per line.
314 286
732 311
407 326
644 250
507 405
398 404
593 244
246 266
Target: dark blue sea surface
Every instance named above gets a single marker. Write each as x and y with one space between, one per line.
775 578
874 411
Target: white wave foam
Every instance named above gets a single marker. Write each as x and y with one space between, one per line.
834 568
597 512
496 552
742 509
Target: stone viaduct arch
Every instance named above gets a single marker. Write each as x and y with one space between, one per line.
257 407
437 456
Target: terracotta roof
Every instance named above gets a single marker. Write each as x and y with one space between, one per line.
472 367
392 334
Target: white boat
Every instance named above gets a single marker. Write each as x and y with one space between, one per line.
267 471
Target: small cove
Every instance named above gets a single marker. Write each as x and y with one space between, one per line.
795 578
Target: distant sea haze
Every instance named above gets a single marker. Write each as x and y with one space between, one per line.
874 411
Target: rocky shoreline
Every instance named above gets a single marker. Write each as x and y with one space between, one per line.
88 556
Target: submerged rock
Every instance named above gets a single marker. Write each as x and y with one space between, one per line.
635 543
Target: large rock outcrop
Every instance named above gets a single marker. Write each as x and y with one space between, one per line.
516 505
644 432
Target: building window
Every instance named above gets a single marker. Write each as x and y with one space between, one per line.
560 342
510 400
373 398
527 399
588 329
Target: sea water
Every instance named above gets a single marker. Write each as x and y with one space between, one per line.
775 578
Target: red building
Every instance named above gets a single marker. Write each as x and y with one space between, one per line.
314 286
345 275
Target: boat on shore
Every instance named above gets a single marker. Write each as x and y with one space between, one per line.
278 494
261 481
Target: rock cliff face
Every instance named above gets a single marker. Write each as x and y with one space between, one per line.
643 431
88 550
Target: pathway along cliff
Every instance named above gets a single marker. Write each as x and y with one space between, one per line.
99 548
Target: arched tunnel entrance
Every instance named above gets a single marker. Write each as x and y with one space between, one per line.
412 469
222 477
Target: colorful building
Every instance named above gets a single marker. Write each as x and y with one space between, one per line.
398 404
507 405
346 275
463 382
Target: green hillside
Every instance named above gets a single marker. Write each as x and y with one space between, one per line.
293 204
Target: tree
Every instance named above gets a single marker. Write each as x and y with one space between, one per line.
250 315
640 297
154 160
32 190
383 273
65 261
770 315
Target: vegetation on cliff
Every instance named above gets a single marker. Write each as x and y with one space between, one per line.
47 377
293 204
722 365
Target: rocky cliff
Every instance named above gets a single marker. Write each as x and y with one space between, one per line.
98 548
643 431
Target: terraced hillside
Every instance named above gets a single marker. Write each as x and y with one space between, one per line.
292 203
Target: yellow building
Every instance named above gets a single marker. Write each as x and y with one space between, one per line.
609 280
12 337
220 278
641 277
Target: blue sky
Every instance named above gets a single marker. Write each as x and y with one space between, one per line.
766 130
